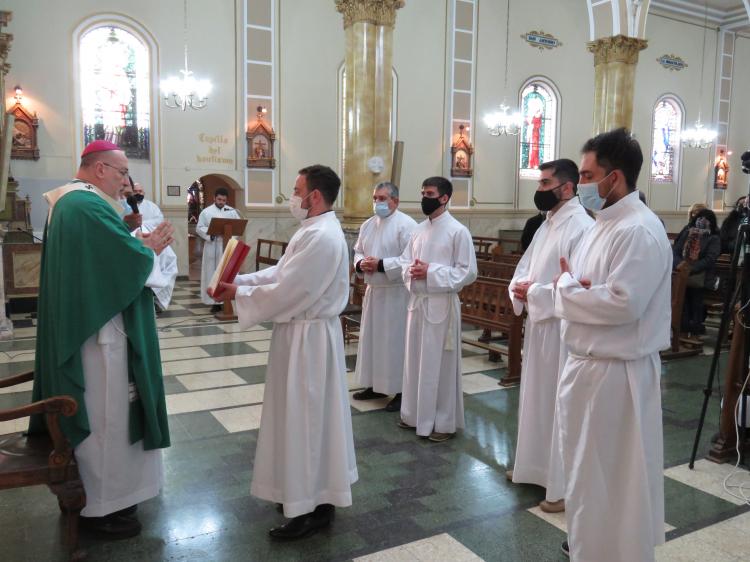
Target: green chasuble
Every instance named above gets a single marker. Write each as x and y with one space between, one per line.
92 270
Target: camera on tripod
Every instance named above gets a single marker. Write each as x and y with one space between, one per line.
745 162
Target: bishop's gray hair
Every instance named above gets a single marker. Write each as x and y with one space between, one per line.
392 188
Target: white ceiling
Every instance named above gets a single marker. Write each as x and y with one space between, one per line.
730 14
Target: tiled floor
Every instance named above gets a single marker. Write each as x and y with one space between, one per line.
414 500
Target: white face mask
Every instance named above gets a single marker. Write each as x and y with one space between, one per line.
381 209
589 194
295 207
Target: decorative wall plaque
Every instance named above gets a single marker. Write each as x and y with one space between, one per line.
260 139
541 40
672 62
24 134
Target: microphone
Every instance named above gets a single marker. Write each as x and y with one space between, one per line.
133 204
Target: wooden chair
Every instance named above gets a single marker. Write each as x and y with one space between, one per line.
264 253
486 304
30 460
679 285
351 316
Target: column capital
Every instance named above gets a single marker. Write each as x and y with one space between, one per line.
376 12
616 49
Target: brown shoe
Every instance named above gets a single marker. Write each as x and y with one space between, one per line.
509 475
552 507
403 425
436 437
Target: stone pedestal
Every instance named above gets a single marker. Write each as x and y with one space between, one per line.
615 59
368 25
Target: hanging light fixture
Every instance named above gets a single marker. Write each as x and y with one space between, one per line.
187 91
699 136
505 121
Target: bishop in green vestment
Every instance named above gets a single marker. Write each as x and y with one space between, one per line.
97 338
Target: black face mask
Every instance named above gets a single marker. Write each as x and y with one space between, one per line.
430 205
546 200
138 197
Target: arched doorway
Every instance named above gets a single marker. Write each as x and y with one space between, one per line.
207 186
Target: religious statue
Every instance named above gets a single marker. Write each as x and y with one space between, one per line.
721 171
260 136
461 151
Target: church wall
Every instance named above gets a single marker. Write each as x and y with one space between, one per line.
309 51
739 120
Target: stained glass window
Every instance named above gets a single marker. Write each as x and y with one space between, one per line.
666 140
539 130
115 89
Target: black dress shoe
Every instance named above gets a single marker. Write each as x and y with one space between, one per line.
565 548
367 394
110 527
395 404
128 511
302 526
216 308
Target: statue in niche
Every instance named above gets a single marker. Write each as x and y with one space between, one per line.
461 151
721 171
260 136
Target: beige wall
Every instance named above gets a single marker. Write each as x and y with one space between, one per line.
309 51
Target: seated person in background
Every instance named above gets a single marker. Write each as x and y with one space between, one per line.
731 224
699 244
530 228
692 212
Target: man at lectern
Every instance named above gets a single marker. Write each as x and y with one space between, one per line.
213 246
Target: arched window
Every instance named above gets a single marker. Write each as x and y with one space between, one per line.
539 109
115 89
666 140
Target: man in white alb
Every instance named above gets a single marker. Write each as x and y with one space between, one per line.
213 246
538 460
438 262
305 454
614 301
380 355
152 215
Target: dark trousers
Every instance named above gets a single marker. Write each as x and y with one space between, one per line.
693 311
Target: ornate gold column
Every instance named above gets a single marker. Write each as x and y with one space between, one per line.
615 59
368 25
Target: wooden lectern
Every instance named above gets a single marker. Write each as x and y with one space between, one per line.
226 228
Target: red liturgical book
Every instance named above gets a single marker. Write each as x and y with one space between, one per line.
231 261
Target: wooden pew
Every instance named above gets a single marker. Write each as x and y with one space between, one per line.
679 285
486 304
483 246
265 254
496 270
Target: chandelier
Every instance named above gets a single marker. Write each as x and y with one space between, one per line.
698 136
186 91
505 121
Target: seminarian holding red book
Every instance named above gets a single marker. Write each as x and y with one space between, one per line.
305 454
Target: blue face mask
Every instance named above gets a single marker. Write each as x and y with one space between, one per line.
589 194
381 209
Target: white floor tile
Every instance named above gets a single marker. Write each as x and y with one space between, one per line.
479 363
558 519
190 341
262 345
179 353
368 405
234 327
23 387
14 426
707 477
214 379
202 400
478 382
19 356
239 419
214 364
441 547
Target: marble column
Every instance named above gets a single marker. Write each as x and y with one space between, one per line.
368 147
6 326
615 59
